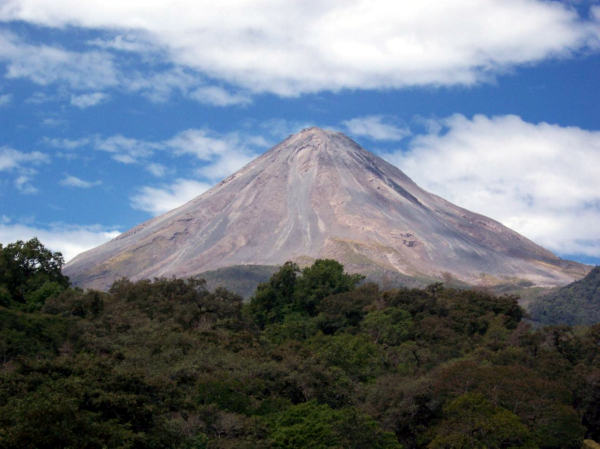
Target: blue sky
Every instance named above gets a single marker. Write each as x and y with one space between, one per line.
113 112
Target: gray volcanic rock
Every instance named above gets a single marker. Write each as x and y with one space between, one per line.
318 194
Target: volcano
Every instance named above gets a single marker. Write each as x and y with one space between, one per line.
318 194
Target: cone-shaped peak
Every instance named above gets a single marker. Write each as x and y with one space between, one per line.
318 194
319 140
318 134
315 130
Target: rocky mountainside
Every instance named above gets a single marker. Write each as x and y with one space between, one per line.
318 194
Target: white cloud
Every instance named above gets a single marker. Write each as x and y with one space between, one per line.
539 179
301 46
74 181
123 43
67 144
281 128
226 153
23 184
126 150
12 159
5 99
220 153
217 96
21 163
70 240
377 127
53 122
46 65
156 169
159 87
158 200
40 98
202 143
227 164
87 100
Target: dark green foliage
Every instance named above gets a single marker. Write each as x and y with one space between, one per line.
85 403
275 298
287 292
577 303
345 311
324 278
29 274
311 425
313 361
30 335
471 420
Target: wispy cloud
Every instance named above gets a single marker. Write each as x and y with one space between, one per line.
21 164
23 184
45 65
377 127
66 144
217 96
5 99
126 150
11 159
220 154
74 181
85 101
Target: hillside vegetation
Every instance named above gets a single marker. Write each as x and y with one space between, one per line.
315 360
577 303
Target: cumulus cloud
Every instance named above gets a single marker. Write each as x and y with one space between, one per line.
85 101
300 46
539 179
74 181
377 127
70 240
158 200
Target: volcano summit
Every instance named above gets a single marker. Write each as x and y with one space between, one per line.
318 194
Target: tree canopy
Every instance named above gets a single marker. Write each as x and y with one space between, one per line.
316 359
29 274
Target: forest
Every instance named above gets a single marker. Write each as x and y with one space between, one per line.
318 358
575 304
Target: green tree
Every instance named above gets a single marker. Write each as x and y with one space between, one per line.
286 292
312 425
324 278
30 274
472 421
273 299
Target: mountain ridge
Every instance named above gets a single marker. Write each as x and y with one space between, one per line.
318 194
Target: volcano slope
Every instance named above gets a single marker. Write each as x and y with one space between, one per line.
318 194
